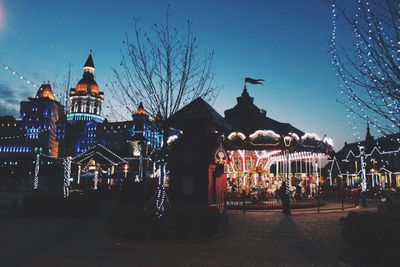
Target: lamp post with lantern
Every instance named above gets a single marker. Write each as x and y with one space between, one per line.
286 195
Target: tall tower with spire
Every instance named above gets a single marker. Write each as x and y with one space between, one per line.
84 112
85 99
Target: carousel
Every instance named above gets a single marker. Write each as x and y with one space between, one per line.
260 162
263 153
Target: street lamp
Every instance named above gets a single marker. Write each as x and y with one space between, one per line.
286 197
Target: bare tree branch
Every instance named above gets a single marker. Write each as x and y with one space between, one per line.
370 69
163 70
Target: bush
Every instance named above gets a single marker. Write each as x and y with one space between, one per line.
177 223
372 239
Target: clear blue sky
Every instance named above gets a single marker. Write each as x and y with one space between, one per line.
284 42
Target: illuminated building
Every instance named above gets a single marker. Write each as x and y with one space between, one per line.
119 149
39 116
86 98
22 140
79 133
382 162
12 138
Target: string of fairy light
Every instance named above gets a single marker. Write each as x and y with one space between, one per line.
18 74
335 64
365 58
161 192
58 92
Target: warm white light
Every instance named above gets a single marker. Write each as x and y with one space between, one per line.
234 134
311 136
172 138
270 133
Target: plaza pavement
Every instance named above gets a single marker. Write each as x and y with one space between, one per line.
252 239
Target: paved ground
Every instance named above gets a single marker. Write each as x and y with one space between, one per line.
252 239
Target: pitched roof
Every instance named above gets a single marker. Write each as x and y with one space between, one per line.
45 91
197 111
140 109
386 143
100 154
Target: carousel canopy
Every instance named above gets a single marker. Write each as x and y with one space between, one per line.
247 118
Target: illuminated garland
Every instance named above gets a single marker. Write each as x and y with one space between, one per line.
297 156
324 143
374 150
92 150
36 178
161 192
363 174
286 172
67 176
95 179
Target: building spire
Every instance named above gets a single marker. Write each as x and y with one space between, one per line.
89 65
140 109
369 139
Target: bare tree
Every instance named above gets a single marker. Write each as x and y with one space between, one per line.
61 88
163 70
369 70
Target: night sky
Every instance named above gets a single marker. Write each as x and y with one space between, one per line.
284 42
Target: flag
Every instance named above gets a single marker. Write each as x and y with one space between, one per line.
253 81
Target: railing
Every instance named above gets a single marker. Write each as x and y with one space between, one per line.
339 200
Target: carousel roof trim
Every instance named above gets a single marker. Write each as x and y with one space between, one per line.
311 136
270 133
234 134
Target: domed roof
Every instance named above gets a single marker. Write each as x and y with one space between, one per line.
87 85
45 91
